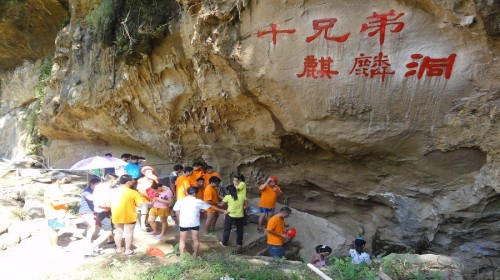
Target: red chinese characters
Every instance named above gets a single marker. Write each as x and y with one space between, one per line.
374 66
380 22
311 71
432 67
275 32
371 66
323 25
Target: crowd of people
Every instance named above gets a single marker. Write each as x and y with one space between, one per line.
113 204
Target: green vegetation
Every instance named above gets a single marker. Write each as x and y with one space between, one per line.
131 26
344 269
215 266
35 140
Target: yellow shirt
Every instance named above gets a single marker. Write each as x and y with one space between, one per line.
277 225
241 189
123 205
235 207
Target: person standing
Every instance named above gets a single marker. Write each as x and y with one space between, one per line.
55 206
276 233
235 204
357 251
182 183
177 170
161 208
102 203
188 211
209 173
86 210
269 195
133 168
196 174
124 201
211 196
109 170
144 183
121 169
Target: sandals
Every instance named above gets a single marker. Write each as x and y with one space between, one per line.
94 254
130 253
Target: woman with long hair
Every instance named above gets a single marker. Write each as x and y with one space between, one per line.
235 204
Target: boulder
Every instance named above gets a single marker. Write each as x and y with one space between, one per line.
8 240
23 229
444 266
33 207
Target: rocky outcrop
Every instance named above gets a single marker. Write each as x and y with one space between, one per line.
392 137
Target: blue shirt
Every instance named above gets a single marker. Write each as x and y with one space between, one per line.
86 205
133 169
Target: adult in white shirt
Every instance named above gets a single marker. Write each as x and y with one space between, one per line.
188 213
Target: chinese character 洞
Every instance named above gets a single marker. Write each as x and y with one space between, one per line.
371 66
380 22
321 25
310 65
275 32
432 67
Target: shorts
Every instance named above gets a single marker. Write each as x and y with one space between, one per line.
89 218
104 219
266 210
159 212
56 224
276 251
145 208
189 228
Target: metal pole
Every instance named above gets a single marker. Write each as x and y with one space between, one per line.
319 272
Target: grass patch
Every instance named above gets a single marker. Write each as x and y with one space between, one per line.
215 266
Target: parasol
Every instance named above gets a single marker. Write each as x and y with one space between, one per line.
98 162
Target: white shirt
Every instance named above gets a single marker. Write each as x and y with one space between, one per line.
102 196
189 208
358 258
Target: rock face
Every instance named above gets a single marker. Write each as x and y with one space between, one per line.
380 117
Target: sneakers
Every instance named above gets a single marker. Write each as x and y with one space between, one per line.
233 229
159 236
146 229
222 244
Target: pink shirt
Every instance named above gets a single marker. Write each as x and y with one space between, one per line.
163 195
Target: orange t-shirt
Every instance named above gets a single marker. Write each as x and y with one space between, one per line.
193 177
269 197
277 225
207 177
182 185
201 191
211 194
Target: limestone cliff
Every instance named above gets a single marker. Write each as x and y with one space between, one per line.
379 116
